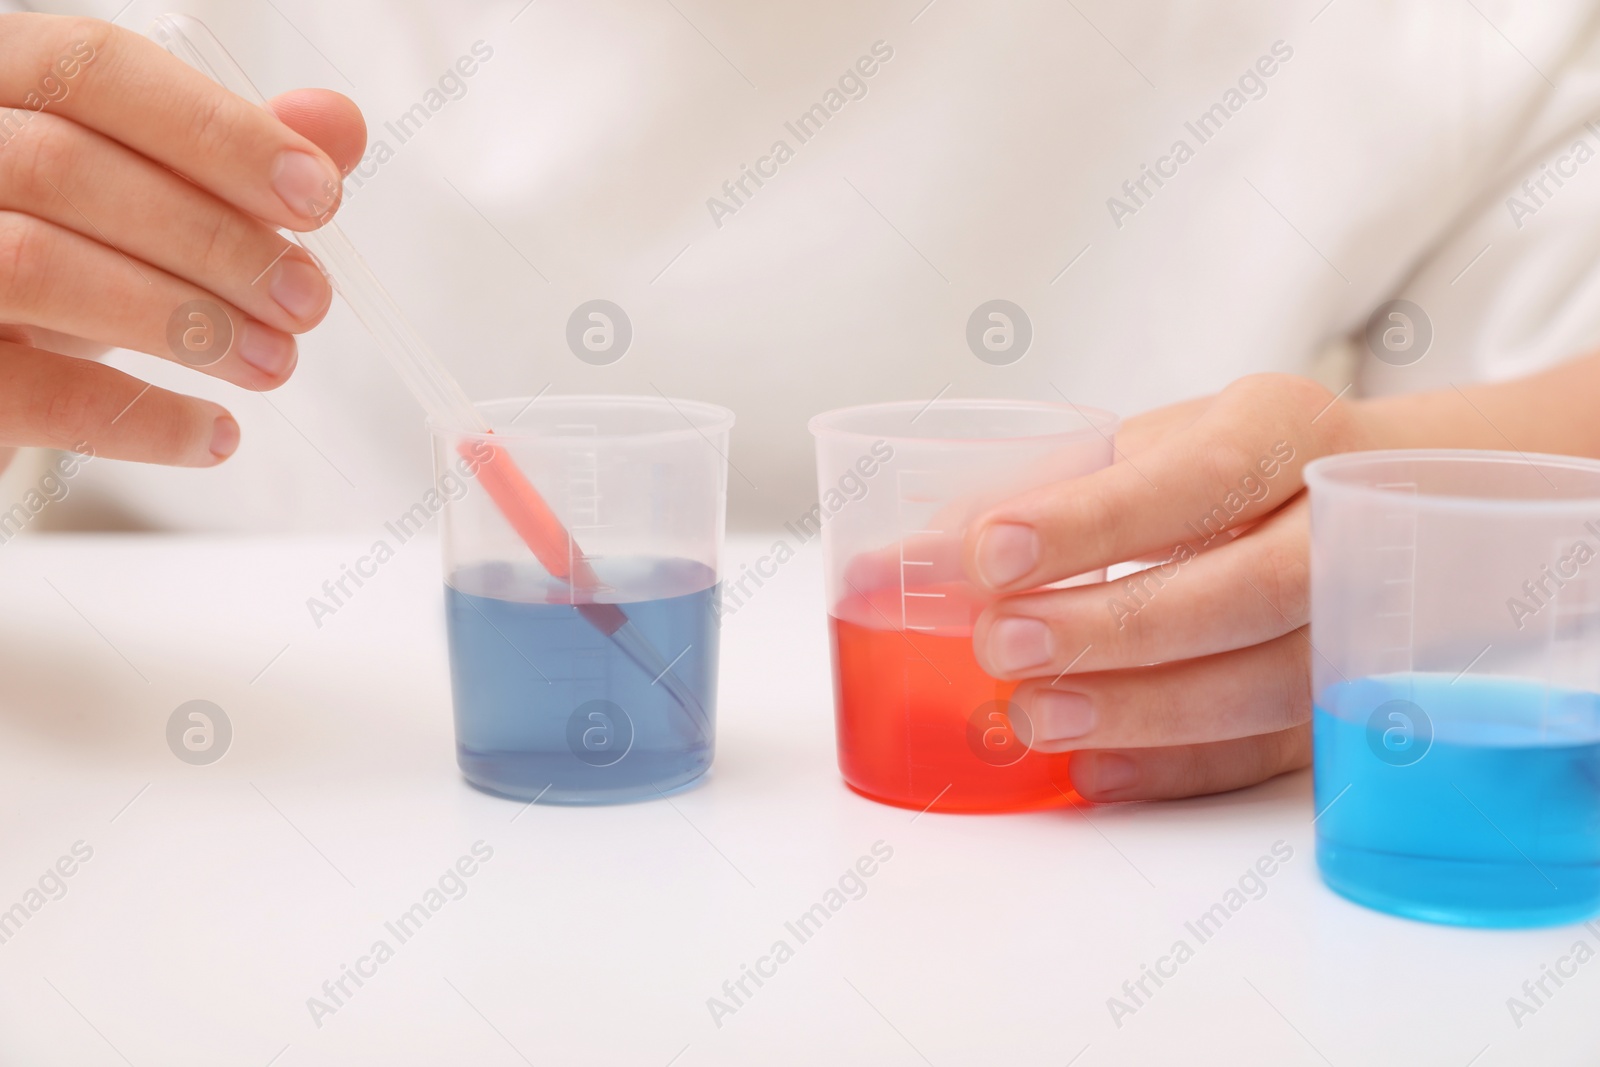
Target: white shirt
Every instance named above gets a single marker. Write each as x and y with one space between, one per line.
987 159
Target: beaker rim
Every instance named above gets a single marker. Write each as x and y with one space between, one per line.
1321 477
1092 421
695 418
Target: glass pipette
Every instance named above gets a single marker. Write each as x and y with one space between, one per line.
439 393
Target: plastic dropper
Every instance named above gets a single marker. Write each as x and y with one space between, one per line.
439 393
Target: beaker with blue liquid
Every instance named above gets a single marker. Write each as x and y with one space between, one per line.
587 675
1455 623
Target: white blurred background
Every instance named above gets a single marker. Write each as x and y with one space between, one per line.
1376 162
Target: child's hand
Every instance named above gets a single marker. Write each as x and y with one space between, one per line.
138 202
1195 677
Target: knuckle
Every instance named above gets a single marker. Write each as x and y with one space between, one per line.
41 147
1101 517
98 34
24 259
215 244
1224 459
1195 771
1283 570
73 414
209 129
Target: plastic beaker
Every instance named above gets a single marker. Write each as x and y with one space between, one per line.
919 723
597 690
1455 627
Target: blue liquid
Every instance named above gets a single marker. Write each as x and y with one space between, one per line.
1493 821
547 706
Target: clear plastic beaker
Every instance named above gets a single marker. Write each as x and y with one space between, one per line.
919 722
598 684
1455 626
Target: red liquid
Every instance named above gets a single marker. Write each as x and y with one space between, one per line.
919 722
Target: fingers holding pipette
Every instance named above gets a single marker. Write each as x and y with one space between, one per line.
60 280
54 401
128 88
62 173
329 120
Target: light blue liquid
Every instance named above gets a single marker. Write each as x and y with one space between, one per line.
548 707
1496 822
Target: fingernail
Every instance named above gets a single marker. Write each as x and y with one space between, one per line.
1006 552
1019 644
267 350
299 288
306 186
224 437
1111 772
1058 716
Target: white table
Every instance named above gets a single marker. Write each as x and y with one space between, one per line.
219 898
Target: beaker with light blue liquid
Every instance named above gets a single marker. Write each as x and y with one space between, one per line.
1455 626
588 674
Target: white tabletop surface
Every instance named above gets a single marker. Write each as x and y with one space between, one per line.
217 899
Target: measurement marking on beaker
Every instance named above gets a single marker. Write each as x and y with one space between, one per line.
868 602
671 665
933 596
922 629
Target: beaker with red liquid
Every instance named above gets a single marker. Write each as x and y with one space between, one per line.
919 723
